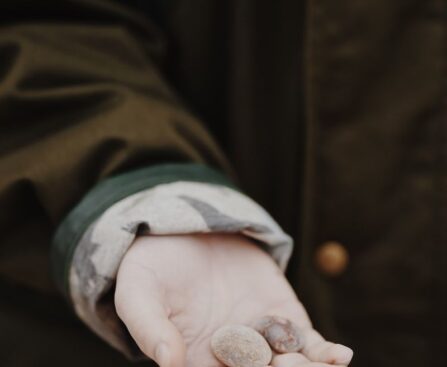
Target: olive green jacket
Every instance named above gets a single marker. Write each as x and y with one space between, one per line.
332 113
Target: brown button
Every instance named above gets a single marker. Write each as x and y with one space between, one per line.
331 258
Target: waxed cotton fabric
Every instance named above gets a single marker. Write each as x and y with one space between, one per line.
331 112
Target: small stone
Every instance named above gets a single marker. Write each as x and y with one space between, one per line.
281 334
240 346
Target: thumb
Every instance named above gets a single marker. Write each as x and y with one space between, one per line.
139 304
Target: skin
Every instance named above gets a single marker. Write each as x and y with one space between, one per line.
173 292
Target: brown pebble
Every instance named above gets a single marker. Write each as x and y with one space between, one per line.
281 334
240 346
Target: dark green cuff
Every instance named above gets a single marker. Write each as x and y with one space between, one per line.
108 192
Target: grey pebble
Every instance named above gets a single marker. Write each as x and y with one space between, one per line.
281 334
240 346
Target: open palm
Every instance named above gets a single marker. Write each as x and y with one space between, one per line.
173 292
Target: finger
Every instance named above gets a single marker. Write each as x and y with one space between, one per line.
140 307
296 360
288 360
319 350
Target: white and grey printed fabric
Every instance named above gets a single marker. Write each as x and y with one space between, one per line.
175 208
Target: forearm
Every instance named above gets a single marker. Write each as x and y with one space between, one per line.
81 99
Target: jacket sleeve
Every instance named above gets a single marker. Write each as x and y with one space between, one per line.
82 98
92 130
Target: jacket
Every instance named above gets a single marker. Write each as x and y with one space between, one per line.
332 114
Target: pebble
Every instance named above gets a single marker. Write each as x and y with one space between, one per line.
240 346
281 334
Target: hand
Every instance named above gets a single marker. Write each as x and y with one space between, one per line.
173 292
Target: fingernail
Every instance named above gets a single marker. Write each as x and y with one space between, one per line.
345 354
162 354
